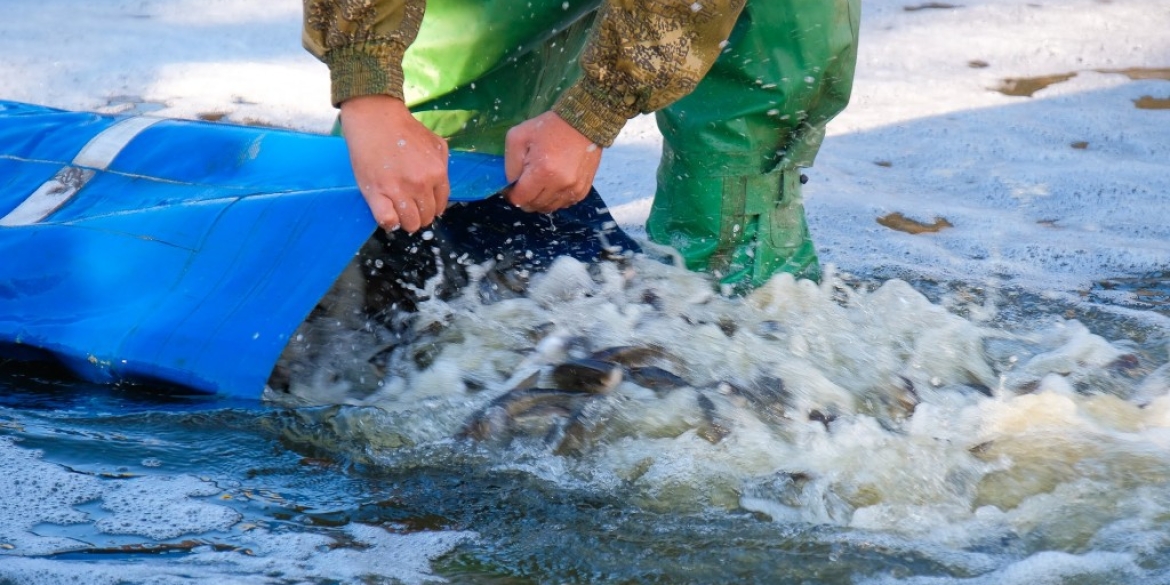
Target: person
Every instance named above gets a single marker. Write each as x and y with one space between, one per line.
742 91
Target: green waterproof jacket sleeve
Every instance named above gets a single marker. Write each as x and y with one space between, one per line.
362 42
643 56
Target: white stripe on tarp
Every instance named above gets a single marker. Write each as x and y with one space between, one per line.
48 197
97 154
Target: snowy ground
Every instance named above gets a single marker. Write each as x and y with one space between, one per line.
1051 192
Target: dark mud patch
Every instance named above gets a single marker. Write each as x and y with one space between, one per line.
1141 73
931 6
1027 86
897 221
1147 102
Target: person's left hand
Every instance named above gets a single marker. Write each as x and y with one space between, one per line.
550 162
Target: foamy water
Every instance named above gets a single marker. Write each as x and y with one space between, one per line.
843 416
874 410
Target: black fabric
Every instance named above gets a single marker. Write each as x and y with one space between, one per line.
397 265
495 229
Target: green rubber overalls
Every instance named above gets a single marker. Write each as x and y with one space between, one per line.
728 196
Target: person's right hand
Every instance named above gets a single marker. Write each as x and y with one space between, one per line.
400 165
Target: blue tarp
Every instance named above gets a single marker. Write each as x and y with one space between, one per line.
174 253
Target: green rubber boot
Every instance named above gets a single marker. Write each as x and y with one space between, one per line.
729 196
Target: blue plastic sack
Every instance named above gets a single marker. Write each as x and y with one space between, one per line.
174 253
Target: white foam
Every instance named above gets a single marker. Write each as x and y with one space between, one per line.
37 492
1043 568
370 554
163 507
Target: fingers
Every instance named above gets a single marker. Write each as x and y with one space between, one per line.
521 171
400 165
383 211
442 186
546 183
543 188
515 151
442 195
552 164
551 200
411 207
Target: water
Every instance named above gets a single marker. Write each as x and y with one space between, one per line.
847 433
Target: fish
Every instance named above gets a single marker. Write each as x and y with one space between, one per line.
587 375
497 420
822 417
656 378
635 355
652 298
766 397
772 330
573 435
714 428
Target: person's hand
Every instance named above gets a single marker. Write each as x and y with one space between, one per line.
400 165
551 163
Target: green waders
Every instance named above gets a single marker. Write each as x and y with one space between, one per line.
728 194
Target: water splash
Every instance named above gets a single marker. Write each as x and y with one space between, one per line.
867 408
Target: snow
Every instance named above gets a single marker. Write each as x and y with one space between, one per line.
1050 192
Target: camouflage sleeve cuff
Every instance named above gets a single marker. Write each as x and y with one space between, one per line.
598 119
366 69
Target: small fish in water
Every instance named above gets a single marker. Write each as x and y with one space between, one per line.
766 397
635 355
822 417
587 375
908 398
714 429
538 420
574 434
652 298
656 379
772 330
727 326
497 419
